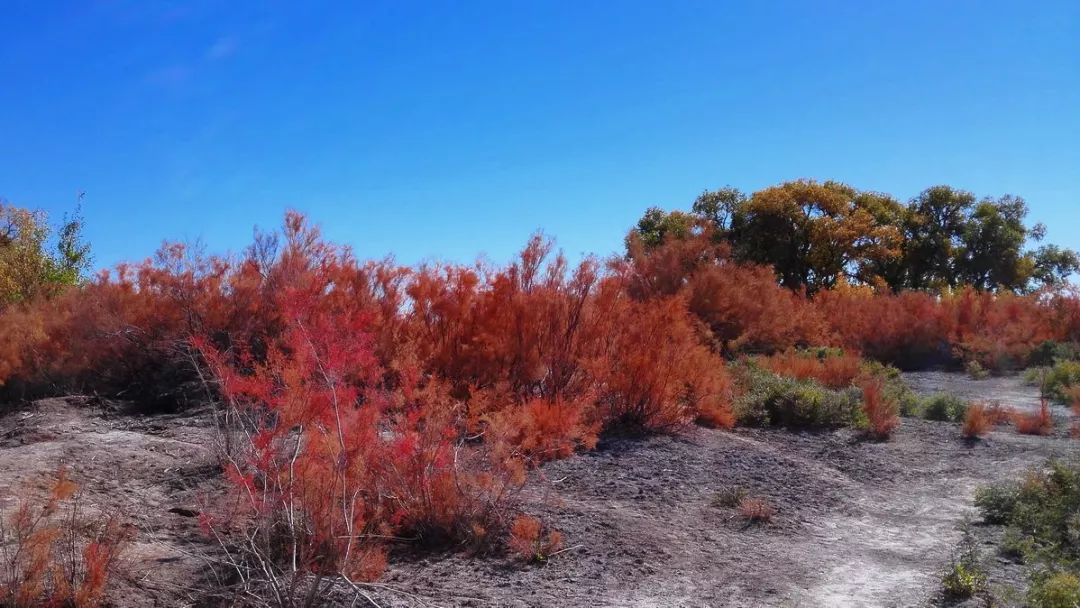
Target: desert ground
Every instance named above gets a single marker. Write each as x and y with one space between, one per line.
858 522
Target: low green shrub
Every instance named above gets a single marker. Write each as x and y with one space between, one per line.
1055 381
944 407
729 497
997 502
1042 513
771 400
976 371
1057 590
964 577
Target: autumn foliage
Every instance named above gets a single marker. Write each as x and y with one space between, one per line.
832 370
882 411
363 403
51 556
1040 422
978 421
532 541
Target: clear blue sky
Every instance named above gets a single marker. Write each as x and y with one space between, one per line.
443 130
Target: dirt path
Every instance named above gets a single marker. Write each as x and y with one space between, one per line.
858 523
1010 391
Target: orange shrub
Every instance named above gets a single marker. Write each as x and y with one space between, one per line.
999 330
531 541
882 412
756 510
1035 423
51 556
654 374
336 455
978 420
747 311
832 371
909 329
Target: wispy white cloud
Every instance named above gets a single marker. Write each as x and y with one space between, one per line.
223 48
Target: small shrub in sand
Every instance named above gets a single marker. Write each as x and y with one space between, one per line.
964 578
1055 382
729 497
997 502
532 541
756 510
944 407
1042 529
978 421
50 555
1034 423
882 412
1057 590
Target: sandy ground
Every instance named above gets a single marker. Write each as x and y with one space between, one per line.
1010 390
140 466
858 523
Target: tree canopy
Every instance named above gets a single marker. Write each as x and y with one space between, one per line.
816 235
35 260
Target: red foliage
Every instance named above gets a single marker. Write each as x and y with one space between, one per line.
345 456
978 420
756 510
1035 423
882 411
833 371
908 329
654 372
51 556
531 541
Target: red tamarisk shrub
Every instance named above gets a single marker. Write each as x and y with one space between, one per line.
51 555
882 411
1035 423
333 461
978 420
756 510
532 541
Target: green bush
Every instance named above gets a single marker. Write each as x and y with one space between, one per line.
964 578
1059 590
1042 513
944 407
997 502
771 400
1055 381
975 370
729 496
1047 514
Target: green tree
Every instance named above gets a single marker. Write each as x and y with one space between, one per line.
1054 265
27 266
718 207
992 254
657 225
813 234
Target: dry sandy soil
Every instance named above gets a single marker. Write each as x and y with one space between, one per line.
858 523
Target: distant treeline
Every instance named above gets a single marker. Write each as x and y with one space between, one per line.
818 234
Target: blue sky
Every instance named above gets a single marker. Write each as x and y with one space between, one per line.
448 129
